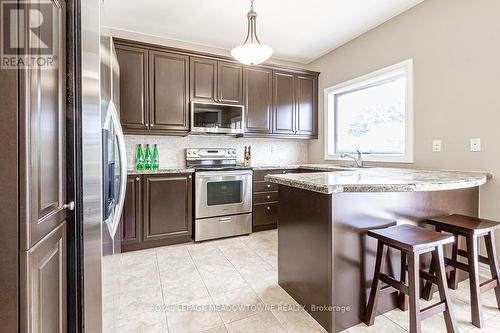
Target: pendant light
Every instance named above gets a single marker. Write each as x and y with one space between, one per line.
252 52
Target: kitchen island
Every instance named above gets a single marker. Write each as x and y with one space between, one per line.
325 259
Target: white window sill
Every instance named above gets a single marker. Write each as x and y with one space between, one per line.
374 158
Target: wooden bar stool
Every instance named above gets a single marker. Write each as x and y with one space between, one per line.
412 241
472 228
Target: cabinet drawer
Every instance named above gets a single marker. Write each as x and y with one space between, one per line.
264 187
265 214
259 198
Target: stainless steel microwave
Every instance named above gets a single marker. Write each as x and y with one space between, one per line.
217 118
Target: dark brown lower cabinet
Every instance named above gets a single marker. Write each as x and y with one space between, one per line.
157 211
44 277
131 222
265 199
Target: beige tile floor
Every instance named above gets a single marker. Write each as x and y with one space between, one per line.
177 289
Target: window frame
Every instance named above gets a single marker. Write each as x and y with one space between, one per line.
362 82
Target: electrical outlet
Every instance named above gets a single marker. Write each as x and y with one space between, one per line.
436 146
475 144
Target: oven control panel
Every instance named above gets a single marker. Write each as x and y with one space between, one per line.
210 153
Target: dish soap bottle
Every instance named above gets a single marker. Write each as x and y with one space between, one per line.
155 164
139 158
147 158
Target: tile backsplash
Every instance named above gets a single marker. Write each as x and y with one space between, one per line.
264 151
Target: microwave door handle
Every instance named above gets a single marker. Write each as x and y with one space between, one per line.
123 168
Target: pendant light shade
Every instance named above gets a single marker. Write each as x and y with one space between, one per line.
252 52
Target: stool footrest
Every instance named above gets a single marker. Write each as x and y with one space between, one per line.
487 285
482 259
457 264
394 283
429 277
433 310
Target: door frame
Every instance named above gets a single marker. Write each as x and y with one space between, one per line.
74 221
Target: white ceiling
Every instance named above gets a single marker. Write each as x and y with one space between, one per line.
297 30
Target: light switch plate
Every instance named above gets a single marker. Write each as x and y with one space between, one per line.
475 144
436 146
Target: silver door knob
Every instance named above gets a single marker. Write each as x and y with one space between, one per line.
69 206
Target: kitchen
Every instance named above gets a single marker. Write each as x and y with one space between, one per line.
177 173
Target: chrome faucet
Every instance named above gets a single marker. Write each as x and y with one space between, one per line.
359 160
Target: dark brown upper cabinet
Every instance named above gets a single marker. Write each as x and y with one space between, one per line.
168 92
157 83
216 81
258 97
295 104
203 79
284 103
307 105
134 114
229 82
131 222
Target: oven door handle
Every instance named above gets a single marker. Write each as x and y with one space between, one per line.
225 220
210 174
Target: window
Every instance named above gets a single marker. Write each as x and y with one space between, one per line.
372 114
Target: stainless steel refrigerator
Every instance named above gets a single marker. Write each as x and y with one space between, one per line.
114 176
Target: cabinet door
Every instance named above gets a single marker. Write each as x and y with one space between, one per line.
284 103
131 222
133 63
307 105
229 82
167 206
44 277
168 93
203 79
258 93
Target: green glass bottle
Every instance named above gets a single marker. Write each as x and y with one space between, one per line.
139 158
147 158
155 164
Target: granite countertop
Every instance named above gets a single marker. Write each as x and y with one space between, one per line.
160 171
342 179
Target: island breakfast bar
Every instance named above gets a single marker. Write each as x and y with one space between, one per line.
325 259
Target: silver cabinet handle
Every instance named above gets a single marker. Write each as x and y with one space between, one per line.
268 185
151 125
69 206
268 197
284 171
137 178
268 208
190 177
225 220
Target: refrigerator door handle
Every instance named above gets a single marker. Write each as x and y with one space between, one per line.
112 115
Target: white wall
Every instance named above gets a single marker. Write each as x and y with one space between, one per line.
455 45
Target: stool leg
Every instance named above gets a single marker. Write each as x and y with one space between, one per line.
473 259
403 298
449 317
492 257
371 309
428 291
414 288
453 282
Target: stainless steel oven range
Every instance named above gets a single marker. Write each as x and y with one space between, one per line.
223 193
